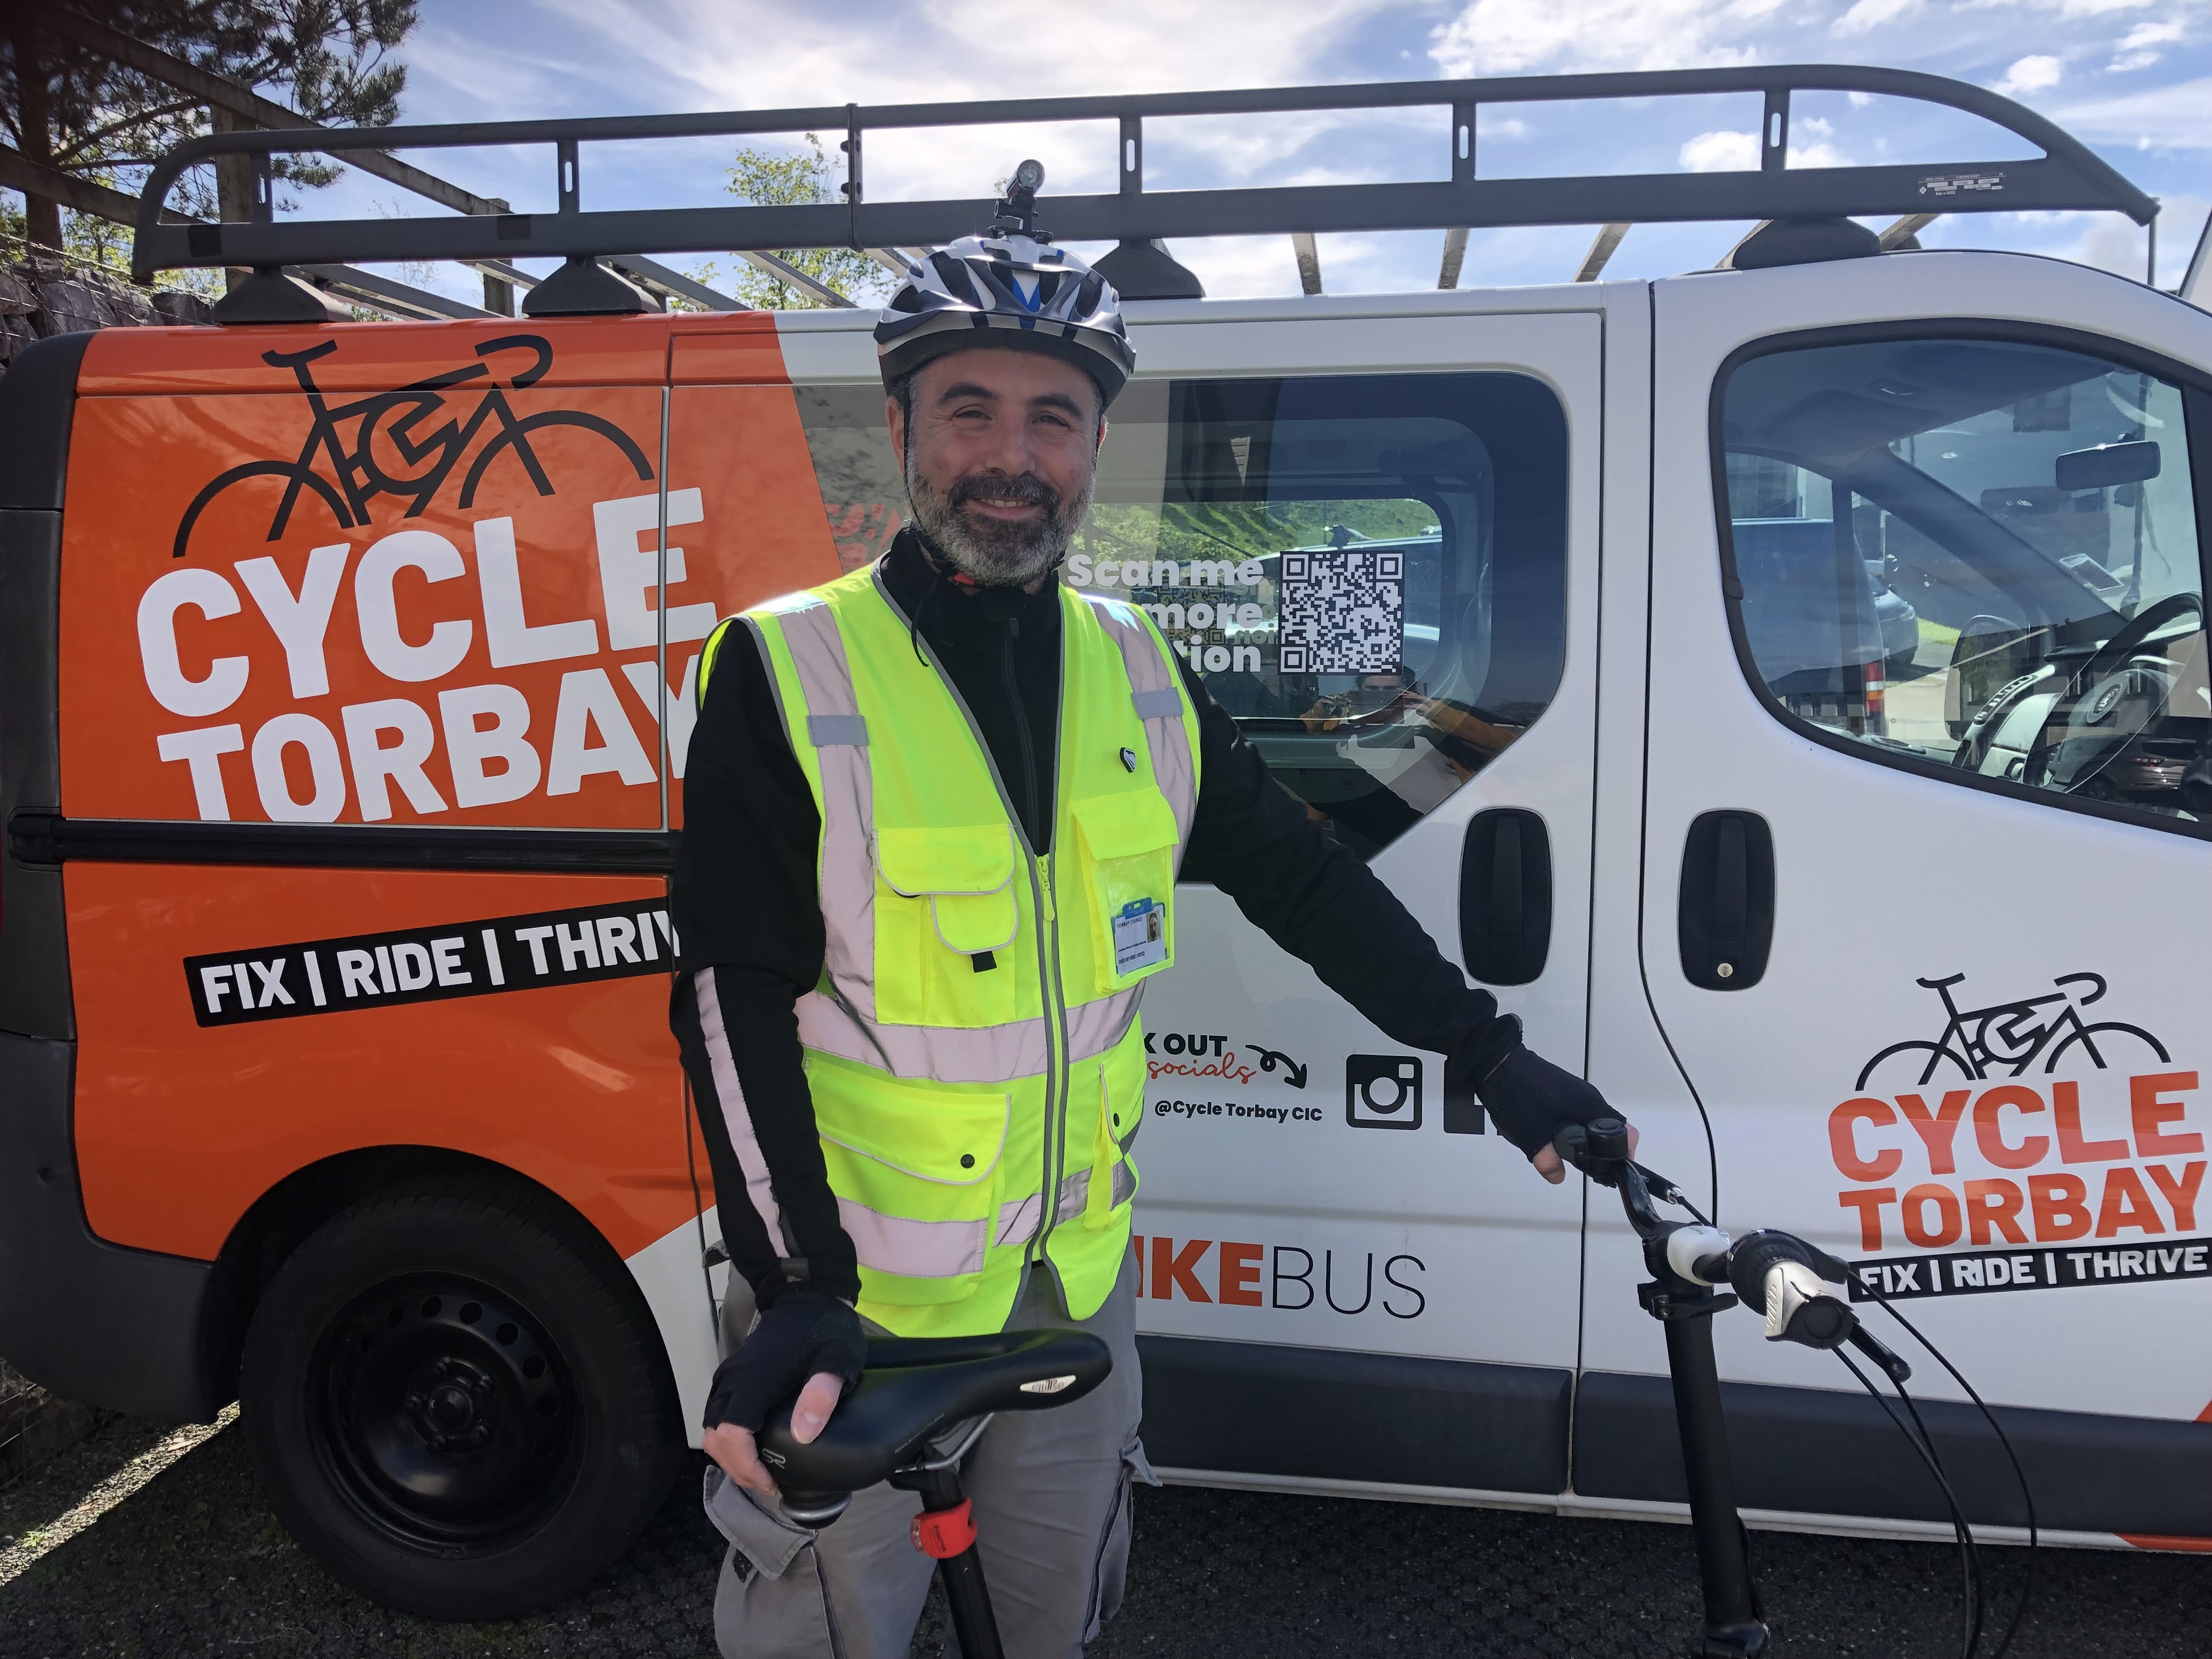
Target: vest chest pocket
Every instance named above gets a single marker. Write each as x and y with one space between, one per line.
947 916
1129 846
914 1167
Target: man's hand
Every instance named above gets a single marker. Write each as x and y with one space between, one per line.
735 1449
804 1336
1553 1168
1531 1100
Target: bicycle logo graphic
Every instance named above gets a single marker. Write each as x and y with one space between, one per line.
346 473
1976 1042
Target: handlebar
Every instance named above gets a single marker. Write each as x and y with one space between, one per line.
1775 1274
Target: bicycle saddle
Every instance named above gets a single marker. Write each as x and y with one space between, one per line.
916 1388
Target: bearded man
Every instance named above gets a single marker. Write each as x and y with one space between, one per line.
935 813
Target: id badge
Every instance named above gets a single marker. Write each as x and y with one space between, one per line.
1140 936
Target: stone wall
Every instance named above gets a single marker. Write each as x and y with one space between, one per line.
41 295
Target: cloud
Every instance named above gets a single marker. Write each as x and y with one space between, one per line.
1512 37
2034 73
2177 117
1738 152
732 57
1868 16
1721 152
2138 47
709 54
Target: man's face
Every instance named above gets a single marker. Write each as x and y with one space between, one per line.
1000 457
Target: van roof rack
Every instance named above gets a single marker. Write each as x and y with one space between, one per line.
2066 175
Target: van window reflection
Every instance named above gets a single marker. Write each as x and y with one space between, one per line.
1979 553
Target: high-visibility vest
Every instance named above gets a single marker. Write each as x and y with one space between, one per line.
973 1048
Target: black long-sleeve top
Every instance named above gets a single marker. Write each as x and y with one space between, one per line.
747 907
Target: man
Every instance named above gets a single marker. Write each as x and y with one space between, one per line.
934 815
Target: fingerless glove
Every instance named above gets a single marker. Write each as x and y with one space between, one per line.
1531 1100
801 1333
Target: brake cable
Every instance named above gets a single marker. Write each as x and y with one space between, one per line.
1784 1277
2019 1474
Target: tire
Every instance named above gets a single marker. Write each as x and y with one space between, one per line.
457 1401
2087 1037
1934 1051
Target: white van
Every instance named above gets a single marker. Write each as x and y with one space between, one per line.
1786 685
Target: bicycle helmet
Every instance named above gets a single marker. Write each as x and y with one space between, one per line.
1007 287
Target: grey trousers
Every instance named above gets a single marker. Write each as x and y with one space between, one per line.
1051 1490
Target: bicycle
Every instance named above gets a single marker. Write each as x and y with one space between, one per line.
918 1407
356 476
1975 1040
1785 1279
922 1403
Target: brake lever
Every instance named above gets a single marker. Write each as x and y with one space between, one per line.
1599 1149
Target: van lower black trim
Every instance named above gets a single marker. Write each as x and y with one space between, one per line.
50 839
1823 1452
92 1321
1321 1413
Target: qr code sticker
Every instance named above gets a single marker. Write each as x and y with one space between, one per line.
1343 612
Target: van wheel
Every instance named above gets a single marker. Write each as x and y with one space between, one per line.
457 1401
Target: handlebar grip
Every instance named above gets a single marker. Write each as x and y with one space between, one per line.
1775 1274
1607 1138
1593 1147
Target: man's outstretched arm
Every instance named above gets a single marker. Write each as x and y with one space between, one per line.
1318 901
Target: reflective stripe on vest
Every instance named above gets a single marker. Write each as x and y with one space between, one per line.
974 1042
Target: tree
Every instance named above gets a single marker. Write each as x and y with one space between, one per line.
770 178
65 105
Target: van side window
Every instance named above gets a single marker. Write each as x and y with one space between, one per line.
1369 572
1979 553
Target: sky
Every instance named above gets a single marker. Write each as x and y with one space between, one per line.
2133 78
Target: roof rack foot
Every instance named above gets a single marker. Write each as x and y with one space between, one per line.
1147 270
270 295
584 288
1800 242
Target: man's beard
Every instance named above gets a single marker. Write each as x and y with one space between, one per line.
986 551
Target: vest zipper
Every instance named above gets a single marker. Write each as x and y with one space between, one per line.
1043 898
1056 992
1013 686
1048 927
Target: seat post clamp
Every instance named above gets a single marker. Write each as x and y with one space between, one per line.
943 1534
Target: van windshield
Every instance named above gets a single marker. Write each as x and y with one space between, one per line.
1982 553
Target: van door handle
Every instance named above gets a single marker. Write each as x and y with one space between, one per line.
1726 917
1506 897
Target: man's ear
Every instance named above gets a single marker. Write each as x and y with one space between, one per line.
895 418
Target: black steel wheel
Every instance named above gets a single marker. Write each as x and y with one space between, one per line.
458 1401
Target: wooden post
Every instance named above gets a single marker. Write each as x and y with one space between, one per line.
42 215
233 181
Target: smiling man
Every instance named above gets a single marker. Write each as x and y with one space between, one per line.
935 813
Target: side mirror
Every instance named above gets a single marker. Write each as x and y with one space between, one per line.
2107 465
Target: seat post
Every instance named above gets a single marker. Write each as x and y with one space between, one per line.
945 1530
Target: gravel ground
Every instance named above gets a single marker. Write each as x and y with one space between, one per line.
164 1547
